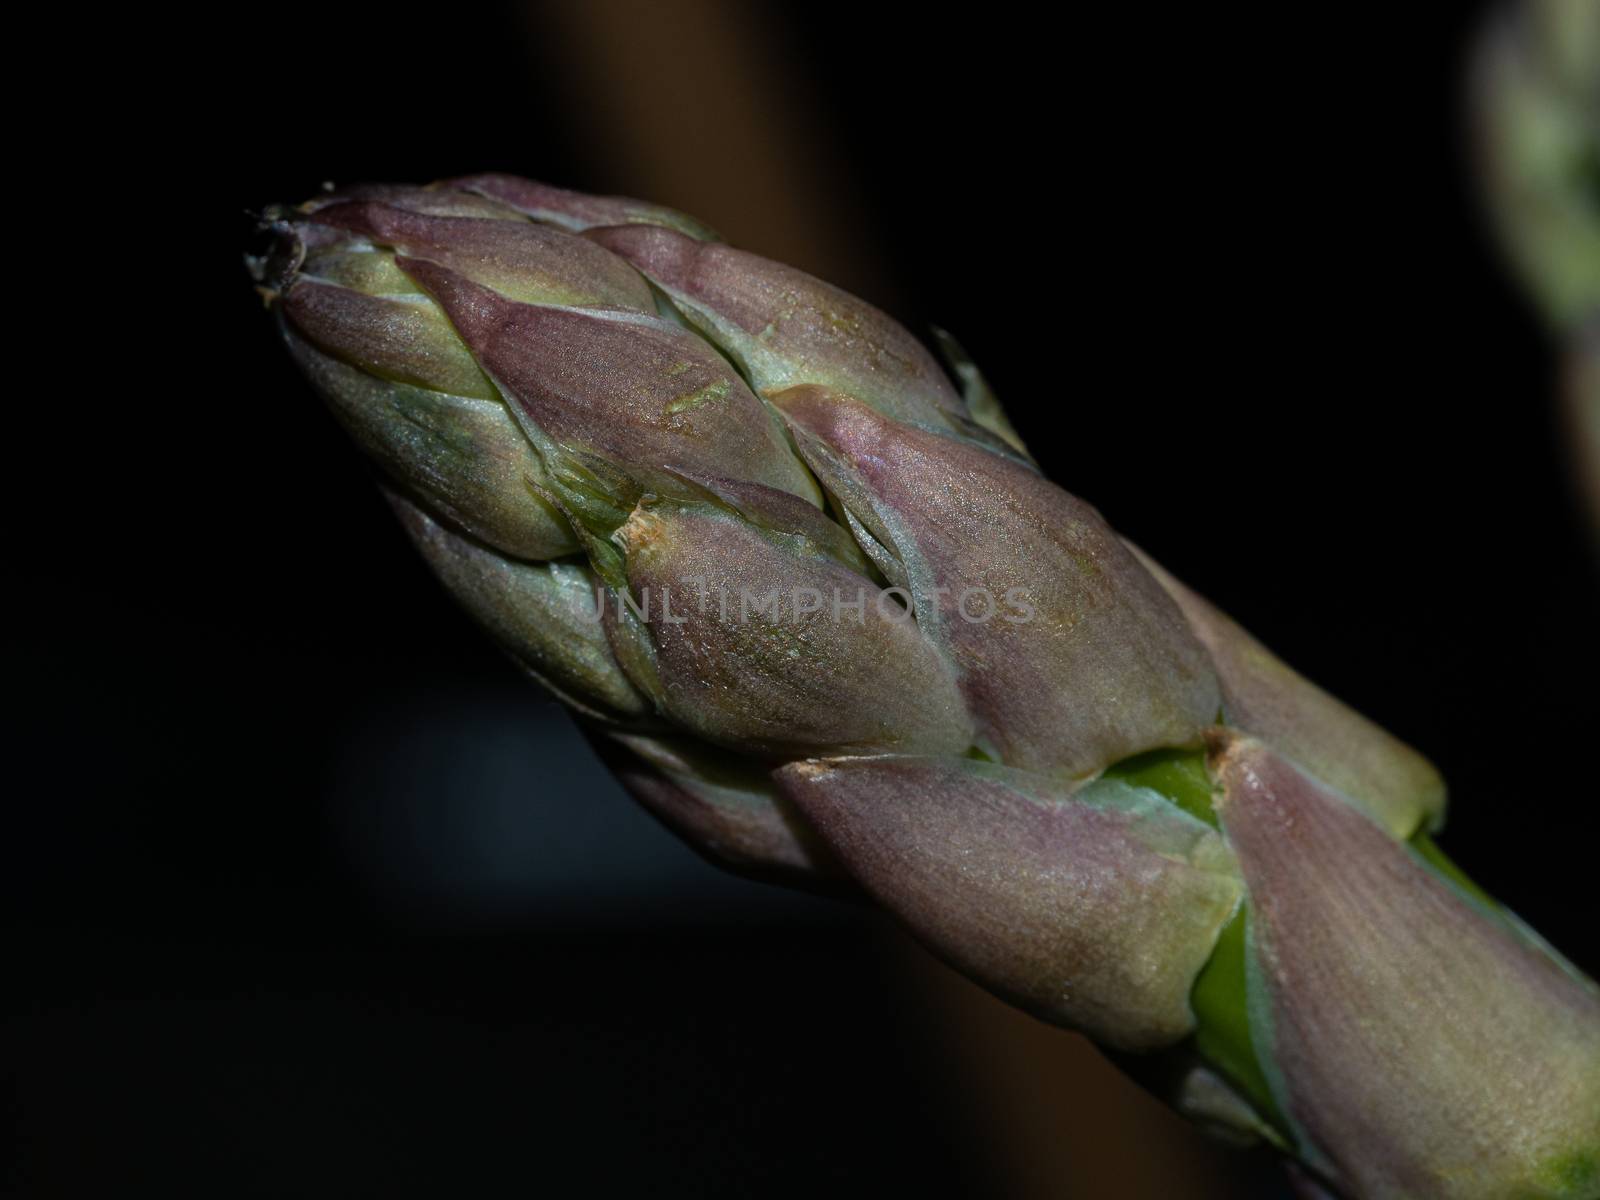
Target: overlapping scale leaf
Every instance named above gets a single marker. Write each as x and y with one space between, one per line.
1093 907
726 807
786 328
1070 655
547 616
616 402
575 210
1420 1044
434 201
520 260
1264 696
457 450
758 641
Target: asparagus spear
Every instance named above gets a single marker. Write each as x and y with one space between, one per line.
822 614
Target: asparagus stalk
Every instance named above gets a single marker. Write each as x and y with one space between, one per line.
1536 113
821 613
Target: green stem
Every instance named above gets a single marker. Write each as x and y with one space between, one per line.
1220 996
1224 1036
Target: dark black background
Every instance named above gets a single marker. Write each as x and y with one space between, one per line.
306 894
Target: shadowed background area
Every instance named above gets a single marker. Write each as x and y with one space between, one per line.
318 898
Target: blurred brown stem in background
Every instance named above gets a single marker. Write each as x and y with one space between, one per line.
697 104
